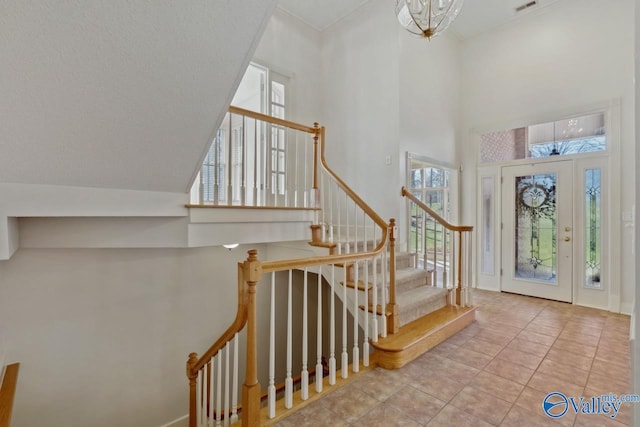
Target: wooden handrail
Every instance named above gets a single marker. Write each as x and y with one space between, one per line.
434 215
271 119
7 393
363 205
237 325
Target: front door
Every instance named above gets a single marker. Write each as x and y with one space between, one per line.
537 238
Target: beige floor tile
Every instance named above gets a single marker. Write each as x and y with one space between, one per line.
379 383
451 416
624 414
610 356
552 330
580 328
314 415
603 384
527 346
497 386
444 349
470 358
481 405
550 383
518 357
415 404
574 347
536 337
438 386
386 416
484 347
520 417
570 374
494 337
531 400
350 403
583 420
591 340
615 372
510 371
570 359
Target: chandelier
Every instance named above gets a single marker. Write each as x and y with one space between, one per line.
427 18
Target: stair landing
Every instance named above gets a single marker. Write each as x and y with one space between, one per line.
419 336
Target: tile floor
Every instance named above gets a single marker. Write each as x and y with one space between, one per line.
495 372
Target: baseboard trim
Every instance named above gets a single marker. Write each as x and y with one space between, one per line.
175 423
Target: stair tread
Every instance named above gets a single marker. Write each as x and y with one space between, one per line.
413 332
378 309
361 285
329 245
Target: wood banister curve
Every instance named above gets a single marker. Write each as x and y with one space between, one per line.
237 325
433 214
7 393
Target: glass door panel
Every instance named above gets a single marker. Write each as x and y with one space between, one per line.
537 230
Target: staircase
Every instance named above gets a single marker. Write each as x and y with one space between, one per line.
356 305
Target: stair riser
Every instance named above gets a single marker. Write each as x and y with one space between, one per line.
410 314
402 262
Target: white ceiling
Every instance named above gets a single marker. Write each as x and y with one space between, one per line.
476 16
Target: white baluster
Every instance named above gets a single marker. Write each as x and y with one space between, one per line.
383 293
355 228
346 211
304 375
295 177
356 350
330 198
271 390
287 179
216 168
229 164
199 398
345 355
225 410
234 389
256 156
445 266
374 303
332 326
307 193
219 391
319 335
211 392
288 383
365 344
243 165
469 270
339 220
454 275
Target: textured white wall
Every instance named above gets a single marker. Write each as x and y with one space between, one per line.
103 334
293 48
386 92
553 64
118 94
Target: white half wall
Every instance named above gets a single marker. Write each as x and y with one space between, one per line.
103 335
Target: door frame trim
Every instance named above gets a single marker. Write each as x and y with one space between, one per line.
612 160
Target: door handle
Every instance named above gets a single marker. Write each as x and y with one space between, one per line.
567 238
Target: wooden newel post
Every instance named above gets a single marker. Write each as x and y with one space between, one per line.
252 272
193 376
392 307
